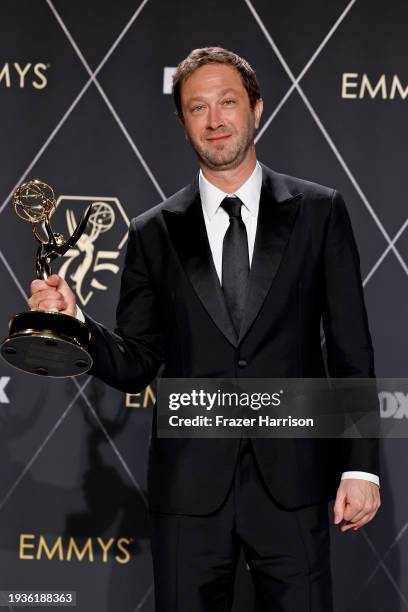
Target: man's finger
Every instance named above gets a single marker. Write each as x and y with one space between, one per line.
355 525
52 305
53 280
354 513
35 301
369 517
47 293
348 526
39 285
357 506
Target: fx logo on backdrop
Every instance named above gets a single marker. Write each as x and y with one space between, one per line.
4 380
88 266
393 405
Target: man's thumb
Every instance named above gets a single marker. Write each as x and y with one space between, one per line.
338 509
53 280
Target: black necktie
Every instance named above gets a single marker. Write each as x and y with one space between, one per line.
235 261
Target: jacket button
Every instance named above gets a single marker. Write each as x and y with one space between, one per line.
242 363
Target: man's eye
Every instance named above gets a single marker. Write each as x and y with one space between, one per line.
229 102
198 108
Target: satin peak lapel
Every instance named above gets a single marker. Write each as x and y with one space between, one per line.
275 224
187 229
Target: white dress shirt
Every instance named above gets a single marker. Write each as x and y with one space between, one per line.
217 222
217 219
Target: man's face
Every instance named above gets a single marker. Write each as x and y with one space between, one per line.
217 117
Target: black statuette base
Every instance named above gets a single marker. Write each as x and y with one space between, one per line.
47 344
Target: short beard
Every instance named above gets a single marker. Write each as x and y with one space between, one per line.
230 159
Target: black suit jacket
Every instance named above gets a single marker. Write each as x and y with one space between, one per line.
171 311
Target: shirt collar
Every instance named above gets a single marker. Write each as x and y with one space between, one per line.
249 193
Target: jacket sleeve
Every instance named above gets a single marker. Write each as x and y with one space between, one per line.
129 357
348 341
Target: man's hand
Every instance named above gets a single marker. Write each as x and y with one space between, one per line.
52 294
357 502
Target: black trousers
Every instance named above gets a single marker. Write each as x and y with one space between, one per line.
287 551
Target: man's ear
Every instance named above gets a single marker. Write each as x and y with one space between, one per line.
258 112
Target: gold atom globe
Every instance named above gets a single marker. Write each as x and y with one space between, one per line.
34 201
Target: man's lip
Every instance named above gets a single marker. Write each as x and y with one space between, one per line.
220 137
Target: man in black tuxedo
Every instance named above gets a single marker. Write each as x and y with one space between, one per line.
231 277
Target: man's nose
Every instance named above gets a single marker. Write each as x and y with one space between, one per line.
214 118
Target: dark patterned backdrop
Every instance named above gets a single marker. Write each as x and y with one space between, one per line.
85 106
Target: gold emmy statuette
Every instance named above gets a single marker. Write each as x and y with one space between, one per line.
46 343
